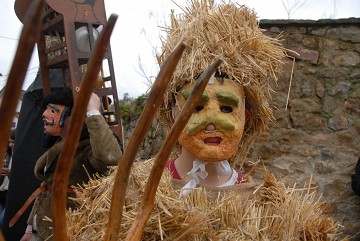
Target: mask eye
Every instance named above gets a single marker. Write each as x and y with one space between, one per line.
198 108
226 109
52 111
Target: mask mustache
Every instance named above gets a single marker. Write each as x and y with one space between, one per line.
48 123
198 124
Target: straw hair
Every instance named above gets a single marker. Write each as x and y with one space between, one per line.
269 211
231 33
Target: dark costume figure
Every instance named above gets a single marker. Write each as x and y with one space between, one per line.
29 147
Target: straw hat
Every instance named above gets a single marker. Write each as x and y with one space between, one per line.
229 32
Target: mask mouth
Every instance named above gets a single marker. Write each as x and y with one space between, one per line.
212 141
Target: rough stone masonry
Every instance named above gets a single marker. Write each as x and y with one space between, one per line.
318 132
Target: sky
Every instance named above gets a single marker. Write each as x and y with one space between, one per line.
135 39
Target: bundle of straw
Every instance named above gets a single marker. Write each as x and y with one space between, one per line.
269 212
231 33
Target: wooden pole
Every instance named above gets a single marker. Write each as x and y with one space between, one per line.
122 175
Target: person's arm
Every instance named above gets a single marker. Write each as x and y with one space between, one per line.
28 233
355 179
29 228
105 147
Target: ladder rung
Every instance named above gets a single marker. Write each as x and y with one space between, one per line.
55 24
58 60
55 47
48 12
105 91
108 113
108 78
112 123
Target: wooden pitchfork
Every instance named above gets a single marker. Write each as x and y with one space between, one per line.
28 37
59 195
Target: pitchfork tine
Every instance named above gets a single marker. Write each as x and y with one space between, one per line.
147 202
122 175
61 178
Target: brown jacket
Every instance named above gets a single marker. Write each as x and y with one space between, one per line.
92 156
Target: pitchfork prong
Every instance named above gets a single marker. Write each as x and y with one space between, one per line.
153 102
61 178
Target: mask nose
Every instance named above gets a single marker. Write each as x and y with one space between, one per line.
210 127
44 113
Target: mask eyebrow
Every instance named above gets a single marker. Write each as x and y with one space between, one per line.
227 98
203 99
54 107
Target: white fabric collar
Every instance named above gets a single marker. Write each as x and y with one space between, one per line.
198 171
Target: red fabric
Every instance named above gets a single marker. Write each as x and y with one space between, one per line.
241 178
170 165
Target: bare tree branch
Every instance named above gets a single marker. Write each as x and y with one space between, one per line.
291 6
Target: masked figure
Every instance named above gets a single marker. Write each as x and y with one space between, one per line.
98 149
211 137
204 194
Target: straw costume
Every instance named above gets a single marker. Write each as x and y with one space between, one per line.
249 210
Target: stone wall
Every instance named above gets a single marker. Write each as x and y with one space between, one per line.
317 111
316 135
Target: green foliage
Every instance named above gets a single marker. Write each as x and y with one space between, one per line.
130 109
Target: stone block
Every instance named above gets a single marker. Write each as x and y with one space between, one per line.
348 140
275 30
307 88
305 105
310 42
326 44
319 89
308 121
355 91
351 33
307 151
330 71
318 32
323 168
353 106
282 119
329 104
346 59
305 54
